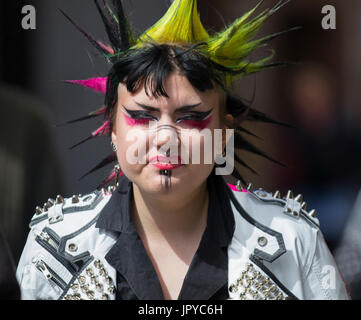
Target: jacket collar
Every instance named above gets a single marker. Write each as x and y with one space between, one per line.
116 216
208 271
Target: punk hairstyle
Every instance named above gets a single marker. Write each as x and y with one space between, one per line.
179 42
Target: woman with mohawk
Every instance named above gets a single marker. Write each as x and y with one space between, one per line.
171 227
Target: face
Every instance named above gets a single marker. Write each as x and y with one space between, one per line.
145 128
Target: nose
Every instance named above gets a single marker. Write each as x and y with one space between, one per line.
166 135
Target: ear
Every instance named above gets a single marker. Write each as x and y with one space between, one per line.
227 124
114 136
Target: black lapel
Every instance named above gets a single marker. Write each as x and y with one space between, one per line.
129 258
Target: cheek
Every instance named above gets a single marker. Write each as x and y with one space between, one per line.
132 145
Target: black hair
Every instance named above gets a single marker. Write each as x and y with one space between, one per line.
152 64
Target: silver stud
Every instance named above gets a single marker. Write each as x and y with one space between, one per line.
313 213
98 264
84 288
99 287
111 290
51 202
81 279
262 241
59 199
103 272
295 213
94 279
68 297
38 210
104 191
111 189
288 210
105 296
299 198
243 290
279 296
249 266
74 199
238 185
76 296
75 287
233 288
72 247
277 195
304 205
289 195
262 194
90 294
108 280
249 186
46 206
89 272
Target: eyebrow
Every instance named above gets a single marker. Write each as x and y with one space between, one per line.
184 108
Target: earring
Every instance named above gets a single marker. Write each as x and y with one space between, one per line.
113 146
117 171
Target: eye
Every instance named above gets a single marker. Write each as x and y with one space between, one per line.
196 119
138 117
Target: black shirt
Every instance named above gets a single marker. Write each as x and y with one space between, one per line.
207 276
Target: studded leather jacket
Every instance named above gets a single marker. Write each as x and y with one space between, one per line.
277 251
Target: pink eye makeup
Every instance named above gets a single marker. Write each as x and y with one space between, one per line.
196 119
137 117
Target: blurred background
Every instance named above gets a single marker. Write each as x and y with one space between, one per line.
320 95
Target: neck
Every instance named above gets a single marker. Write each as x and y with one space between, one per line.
170 216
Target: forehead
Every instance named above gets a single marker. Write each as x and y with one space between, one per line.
179 90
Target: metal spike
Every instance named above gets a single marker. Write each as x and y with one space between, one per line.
38 210
304 205
59 199
111 189
74 199
50 202
46 206
312 213
104 191
299 198
249 186
238 185
289 195
277 195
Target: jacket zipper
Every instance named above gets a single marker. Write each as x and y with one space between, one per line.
49 273
45 240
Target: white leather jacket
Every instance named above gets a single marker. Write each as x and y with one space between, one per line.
277 251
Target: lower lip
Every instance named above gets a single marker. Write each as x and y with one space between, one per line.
166 166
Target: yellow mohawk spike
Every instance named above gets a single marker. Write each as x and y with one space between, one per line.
181 24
